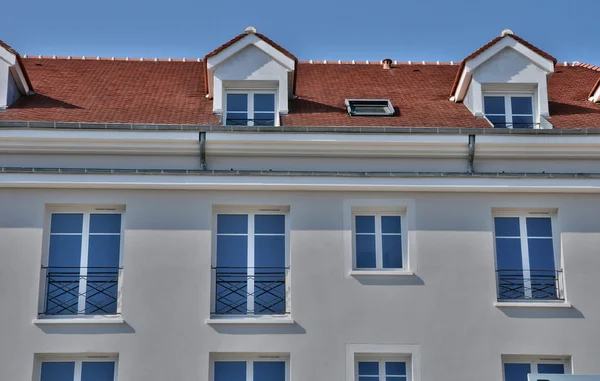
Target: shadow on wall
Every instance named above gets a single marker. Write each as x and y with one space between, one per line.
87 329
253 329
542 313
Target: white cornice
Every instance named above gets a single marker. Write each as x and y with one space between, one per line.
302 183
538 147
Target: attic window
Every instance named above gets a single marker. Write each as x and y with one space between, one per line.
369 107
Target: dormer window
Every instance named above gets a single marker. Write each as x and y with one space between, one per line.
369 107
509 111
250 108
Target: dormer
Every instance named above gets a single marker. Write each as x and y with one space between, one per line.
13 78
506 82
250 80
595 93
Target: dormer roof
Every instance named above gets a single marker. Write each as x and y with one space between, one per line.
21 74
239 42
506 39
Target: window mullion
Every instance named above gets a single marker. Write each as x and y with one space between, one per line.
249 370
525 256
378 243
250 269
381 370
251 109
83 270
508 111
78 370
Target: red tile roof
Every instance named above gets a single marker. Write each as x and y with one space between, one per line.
148 92
19 60
489 45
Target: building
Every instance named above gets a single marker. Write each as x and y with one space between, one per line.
248 216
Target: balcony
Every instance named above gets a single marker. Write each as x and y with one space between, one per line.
77 291
530 285
256 291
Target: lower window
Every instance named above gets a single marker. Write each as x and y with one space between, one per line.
269 368
383 369
82 369
518 369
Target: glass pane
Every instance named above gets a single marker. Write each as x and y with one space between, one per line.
521 105
103 274
539 227
232 251
368 368
230 371
63 274
264 119
103 252
58 371
395 378
264 102
498 121
494 105
390 224
543 276
98 371
370 109
522 121
392 251
269 278
365 252
105 223
237 119
232 224
237 102
269 224
509 266
65 251
368 378
395 368
365 224
507 227
66 223
269 371
516 372
269 251
551 368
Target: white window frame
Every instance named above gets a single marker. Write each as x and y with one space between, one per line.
249 359
86 211
508 106
78 359
409 353
381 359
522 216
533 362
379 239
250 93
250 212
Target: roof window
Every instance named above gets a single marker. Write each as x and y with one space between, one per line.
369 107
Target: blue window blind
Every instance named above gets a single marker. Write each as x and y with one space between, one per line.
551 368
97 371
382 371
264 109
368 371
269 371
230 371
516 372
58 371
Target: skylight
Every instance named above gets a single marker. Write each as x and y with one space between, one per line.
369 107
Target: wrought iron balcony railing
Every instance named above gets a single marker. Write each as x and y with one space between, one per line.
530 285
250 122
515 125
250 290
81 290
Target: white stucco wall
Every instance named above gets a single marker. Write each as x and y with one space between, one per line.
13 91
446 309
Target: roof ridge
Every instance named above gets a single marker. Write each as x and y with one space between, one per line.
99 58
369 62
586 65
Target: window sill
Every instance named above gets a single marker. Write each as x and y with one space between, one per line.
218 320
381 273
558 304
79 320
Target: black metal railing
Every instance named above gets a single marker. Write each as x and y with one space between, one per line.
515 125
250 122
530 284
250 290
81 290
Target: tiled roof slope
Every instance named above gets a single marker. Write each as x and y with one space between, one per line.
106 91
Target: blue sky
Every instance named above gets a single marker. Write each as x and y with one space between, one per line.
311 29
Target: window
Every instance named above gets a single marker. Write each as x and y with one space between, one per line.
517 369
82 369
82 268
250 109
369 107
251 264
382 370
527 259
383 362
269 368
509 111
378 241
